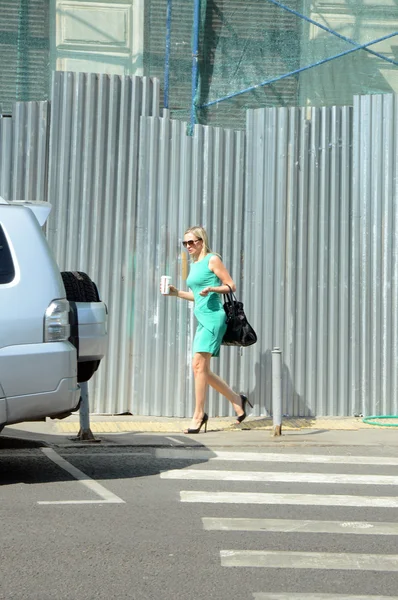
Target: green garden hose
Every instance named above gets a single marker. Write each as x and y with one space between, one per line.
371 420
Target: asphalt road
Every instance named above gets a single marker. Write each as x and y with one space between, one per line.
176 523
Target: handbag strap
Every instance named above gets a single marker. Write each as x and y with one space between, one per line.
230 296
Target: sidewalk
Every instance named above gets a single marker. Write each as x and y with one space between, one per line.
129 423
124 424
254 432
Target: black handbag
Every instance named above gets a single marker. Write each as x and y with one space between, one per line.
239 331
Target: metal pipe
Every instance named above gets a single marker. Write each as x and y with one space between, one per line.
277 391
84 410
195 63
85 434
167 58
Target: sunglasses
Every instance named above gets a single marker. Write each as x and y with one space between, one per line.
190 243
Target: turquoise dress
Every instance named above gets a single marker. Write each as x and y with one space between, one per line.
209 310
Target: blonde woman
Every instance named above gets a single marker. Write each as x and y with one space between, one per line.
208 279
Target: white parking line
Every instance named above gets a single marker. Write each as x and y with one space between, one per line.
106 496
309 560
292 499
109 455
297 526
175 440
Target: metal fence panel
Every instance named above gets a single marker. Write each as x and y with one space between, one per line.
297 259
93 162
23 152
6 137
375 253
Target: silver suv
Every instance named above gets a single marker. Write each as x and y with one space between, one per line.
53 326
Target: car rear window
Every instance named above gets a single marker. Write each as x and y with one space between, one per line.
7 270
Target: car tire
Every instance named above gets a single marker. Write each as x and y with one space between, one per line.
80 288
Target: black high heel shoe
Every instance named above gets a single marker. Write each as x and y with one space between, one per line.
203 422
244 401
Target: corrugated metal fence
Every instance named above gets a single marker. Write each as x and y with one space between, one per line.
374 248
24 152
322 194
93 182
301 206
298 272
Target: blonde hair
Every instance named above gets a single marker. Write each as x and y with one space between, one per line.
201 234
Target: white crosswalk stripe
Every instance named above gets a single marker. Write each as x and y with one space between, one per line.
290 596
329 478
309 560
292 499
299 526
210 455
279 559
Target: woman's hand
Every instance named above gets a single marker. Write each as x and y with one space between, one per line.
173 291
206 291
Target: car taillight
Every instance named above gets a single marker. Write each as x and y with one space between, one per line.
56 322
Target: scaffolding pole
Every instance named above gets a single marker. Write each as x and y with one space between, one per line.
167 57
195 62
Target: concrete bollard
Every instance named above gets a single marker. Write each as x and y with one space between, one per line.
277 391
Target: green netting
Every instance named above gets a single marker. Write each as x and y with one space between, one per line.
181 50
24 51
244 43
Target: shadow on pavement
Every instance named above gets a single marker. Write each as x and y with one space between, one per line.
8 443
28 461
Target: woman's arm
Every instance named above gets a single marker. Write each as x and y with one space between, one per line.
181 294
217 266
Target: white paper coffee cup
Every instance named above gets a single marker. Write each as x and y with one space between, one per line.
164 285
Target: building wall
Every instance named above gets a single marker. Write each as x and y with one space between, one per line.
98 36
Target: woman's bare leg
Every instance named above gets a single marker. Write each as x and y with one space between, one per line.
223 388
201 369
205 377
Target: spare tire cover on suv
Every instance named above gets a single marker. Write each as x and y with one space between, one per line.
80 288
